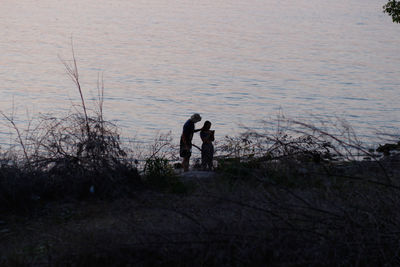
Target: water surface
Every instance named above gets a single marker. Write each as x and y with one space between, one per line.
235 62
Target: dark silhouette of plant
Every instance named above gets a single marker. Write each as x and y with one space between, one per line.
89 140
392 8
75 155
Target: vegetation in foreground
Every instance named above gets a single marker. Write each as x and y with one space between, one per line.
273 200
297 195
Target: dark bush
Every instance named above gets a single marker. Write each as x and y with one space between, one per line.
160 175
73 156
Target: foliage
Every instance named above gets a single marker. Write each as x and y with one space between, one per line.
89 144
235 169
158 168
288 151
283 139
78 155
392 8
283 206
159 174
387 148
280 221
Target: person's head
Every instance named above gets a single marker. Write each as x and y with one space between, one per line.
195 117
206 126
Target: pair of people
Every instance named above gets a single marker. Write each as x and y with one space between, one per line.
207 148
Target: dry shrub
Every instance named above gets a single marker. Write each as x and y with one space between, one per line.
94 144
72 156
325 204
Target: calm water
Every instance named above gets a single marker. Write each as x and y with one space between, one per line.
235 62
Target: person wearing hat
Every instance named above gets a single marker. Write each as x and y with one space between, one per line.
185 150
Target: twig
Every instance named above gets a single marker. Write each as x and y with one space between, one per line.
21 142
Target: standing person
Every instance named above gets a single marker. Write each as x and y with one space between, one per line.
186 140
207 148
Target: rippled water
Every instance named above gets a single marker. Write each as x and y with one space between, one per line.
235 62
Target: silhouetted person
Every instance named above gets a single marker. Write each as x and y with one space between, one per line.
186 140
207 148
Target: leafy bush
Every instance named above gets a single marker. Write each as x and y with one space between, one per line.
392 8
159 174
237 168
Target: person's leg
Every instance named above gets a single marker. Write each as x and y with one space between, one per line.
203 160
210 156
185 164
